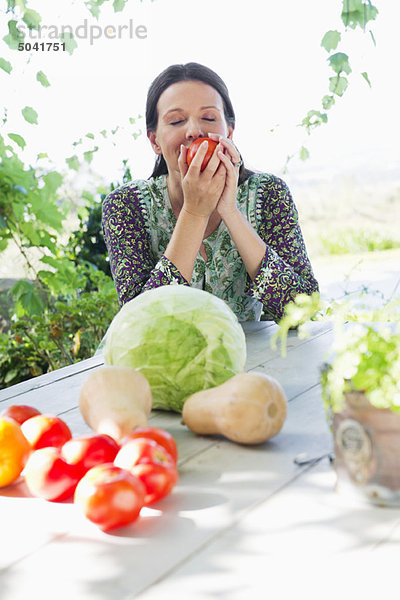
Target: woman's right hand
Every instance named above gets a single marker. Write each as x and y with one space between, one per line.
201 189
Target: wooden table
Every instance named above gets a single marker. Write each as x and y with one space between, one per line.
243 522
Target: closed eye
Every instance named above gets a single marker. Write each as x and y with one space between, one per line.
176 122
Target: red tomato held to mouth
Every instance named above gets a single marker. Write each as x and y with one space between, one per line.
46 430
158 479
49 476
194 146
109 496
20 412
90 450
161 436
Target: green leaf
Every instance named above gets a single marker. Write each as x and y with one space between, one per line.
45 210
88 155
9 376
338 85
314 118
328 102
94 7
48 241
29 231
27 300
304 153
69 41
340 63
41 77
103 132
373 37
5 65
330 40
73 162
20 3
66 279
31 18
90 136
42 155
119 5
30 115
14 35
53 180
50 260
17 139
50 215
365 75
357 13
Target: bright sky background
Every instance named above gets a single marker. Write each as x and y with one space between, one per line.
269 54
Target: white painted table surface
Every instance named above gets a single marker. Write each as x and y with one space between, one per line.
243 522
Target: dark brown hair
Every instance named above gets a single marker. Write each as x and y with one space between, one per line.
190 72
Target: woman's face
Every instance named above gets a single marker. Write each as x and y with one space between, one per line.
187 110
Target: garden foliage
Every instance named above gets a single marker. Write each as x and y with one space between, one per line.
61 312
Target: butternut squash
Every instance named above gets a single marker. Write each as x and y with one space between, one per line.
248 408
115 400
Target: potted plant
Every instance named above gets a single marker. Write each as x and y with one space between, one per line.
361 391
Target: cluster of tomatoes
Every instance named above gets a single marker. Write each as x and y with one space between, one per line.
109 481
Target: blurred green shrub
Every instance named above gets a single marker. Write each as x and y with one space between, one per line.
61 316
67 331
355 240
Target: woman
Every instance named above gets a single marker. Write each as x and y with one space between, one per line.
226 230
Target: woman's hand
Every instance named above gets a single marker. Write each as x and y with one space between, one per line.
202 190
231 159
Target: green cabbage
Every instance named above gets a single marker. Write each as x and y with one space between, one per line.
180 338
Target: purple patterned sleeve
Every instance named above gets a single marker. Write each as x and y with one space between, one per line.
286 269
126 234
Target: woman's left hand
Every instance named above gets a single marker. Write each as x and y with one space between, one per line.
231 159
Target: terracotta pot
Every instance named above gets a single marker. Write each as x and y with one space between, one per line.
367 450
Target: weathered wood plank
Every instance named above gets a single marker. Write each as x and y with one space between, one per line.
306 525
261 352
18 391
300 370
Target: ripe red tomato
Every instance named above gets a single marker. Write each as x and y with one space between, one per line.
158 479
141 450
20 412
194 146
161 436
49 476
90 450
46 430
109 496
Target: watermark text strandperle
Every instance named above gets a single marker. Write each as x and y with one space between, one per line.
85 31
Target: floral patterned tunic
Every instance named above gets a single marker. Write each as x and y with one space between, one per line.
138 222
